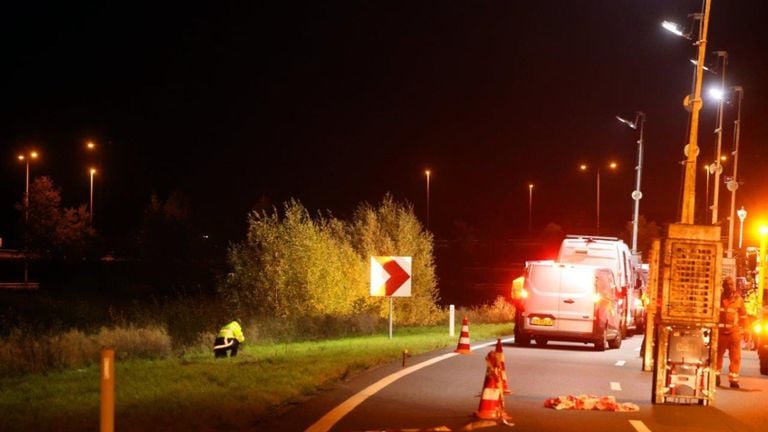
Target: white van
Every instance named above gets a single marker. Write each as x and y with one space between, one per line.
613 253
569 302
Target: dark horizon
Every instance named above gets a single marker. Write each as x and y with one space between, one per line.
335 104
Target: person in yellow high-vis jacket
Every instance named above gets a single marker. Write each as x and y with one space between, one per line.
229 339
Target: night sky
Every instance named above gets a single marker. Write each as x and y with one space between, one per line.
334 103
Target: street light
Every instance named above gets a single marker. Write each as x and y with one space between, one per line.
723 55
530 206
693 102
92 171
636 194
733 184
428 173
26 158
761 281
585 167
742 215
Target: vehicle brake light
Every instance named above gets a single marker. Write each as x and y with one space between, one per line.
524 293
596 297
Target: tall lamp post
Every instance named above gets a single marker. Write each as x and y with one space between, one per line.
742 215
636 194
761 281
584 167
92 171
530 206
733 184
692 148
718 168
26 158
428 173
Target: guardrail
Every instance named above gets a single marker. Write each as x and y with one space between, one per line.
20 285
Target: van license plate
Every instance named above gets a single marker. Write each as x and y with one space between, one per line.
542 321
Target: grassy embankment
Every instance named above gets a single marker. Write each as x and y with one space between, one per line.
196 392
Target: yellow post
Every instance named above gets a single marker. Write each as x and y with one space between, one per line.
107 423
763 267
689 183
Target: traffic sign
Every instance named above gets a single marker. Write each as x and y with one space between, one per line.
390 276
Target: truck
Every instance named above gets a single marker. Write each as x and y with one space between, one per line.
569 302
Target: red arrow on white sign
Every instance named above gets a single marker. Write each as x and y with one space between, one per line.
390 276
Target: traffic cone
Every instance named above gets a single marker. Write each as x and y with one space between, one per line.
492 400
502 367
463 347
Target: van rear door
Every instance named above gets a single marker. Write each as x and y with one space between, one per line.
577 299
543 302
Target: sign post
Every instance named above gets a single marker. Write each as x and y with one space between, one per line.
390 277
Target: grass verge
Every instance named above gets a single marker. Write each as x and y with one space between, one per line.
196 392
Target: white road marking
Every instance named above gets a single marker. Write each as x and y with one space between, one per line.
333 416
620 363
639 426
615 386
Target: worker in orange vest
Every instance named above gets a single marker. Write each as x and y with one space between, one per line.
733 316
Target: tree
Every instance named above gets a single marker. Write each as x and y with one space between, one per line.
646 232
292 264
165 232
53 231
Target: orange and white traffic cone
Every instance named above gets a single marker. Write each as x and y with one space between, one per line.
502 367
492 400
463 346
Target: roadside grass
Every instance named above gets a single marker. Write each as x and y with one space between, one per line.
196 392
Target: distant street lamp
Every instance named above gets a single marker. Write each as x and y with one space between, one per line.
718 169
733 184
584 167
763 230
636 194
742 215
530 206
92 171
26 158
428 173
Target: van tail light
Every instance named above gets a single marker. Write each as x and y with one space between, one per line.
523 293
596 297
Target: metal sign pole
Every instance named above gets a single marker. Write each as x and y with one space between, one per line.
391 304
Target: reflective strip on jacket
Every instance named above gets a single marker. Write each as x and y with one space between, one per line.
232 330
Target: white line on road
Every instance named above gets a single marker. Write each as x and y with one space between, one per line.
620 363
333 416
639 426
615 386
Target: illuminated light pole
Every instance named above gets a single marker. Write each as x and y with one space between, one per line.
718 93
428 173
530 207
92 171
584 167
26 158
733 184
637 194
761 281
692 149
742 215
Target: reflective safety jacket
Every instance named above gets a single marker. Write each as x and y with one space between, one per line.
232 331
733 314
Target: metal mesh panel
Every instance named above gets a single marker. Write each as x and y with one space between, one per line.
691 284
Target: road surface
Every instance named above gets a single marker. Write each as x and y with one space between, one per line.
441 390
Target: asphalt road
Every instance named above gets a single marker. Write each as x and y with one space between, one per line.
444 392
